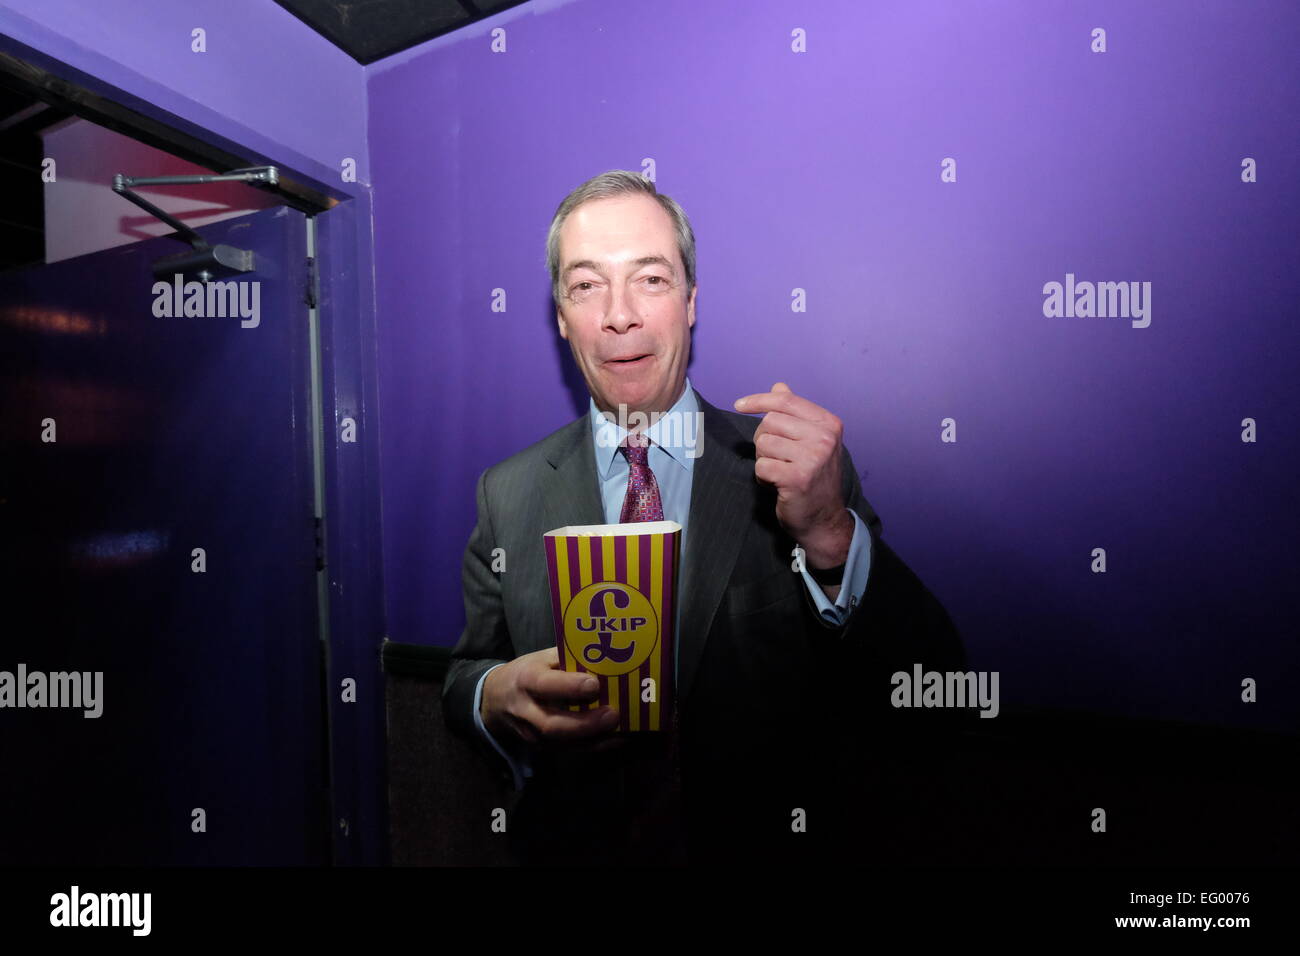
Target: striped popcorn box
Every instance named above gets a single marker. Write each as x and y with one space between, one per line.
614 600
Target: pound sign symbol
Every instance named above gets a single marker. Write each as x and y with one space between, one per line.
595 653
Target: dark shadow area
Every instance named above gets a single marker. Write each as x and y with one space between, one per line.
1018 789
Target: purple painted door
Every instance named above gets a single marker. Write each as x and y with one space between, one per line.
157 528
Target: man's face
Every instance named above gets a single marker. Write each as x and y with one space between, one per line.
622 296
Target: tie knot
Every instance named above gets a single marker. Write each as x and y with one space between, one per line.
635 448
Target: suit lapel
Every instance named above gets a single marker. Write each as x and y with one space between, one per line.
722 501
571 492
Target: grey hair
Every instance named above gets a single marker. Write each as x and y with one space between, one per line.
618 182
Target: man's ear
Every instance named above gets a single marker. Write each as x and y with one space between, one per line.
690 307
563 326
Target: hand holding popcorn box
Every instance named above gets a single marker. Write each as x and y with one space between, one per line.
614 600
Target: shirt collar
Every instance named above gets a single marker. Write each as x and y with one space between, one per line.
607 436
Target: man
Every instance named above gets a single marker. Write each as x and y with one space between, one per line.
792 609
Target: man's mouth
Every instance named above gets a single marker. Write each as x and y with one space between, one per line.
629 361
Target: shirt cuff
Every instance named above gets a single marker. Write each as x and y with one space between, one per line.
856 569
519 766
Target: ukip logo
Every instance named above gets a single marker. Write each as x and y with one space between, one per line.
610 628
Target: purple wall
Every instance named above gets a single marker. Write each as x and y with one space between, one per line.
821 171
267 81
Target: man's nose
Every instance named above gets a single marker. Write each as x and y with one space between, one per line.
621 314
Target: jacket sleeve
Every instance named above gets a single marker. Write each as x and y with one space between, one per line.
899 619
485 642
852 491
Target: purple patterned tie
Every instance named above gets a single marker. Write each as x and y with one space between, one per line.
641 503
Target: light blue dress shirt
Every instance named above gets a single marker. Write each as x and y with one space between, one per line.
673 466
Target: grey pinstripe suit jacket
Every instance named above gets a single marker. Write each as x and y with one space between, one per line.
772 700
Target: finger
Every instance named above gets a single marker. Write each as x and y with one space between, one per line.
559 685
781 448
788 426
559 723
787 476
538 716
784 401
780 392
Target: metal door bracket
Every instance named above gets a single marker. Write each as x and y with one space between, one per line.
205 262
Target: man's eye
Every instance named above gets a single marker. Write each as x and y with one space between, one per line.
659 280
